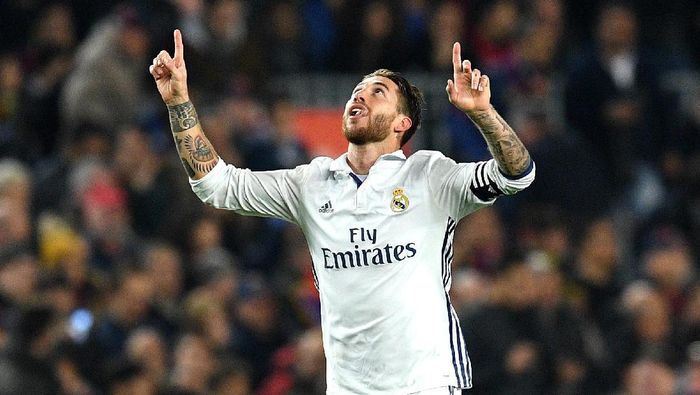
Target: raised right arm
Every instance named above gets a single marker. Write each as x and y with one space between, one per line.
196 152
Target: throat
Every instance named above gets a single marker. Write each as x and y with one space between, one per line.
362 157
361 160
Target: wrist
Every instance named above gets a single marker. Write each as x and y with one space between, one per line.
177 101
476 113
183 116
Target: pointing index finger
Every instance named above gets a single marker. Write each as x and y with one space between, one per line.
179 48
456 58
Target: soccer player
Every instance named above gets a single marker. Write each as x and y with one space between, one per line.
379 225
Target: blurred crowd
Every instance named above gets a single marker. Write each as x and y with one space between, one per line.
115 279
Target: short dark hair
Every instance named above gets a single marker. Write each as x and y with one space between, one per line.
411 100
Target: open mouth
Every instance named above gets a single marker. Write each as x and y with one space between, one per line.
357 111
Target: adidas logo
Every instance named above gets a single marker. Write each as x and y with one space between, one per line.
326 208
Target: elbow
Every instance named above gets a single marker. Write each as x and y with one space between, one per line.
207 197
519 171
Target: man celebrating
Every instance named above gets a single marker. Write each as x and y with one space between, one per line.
379 225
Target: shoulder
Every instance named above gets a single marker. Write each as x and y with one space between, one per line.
320 165
318 168
425 156
428 158
321 162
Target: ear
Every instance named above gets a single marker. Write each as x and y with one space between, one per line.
404 124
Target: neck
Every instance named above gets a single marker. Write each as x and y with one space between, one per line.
362 157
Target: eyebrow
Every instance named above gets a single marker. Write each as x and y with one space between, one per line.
362 85
382 84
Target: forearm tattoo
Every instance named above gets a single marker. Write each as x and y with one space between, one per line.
182 117
505 146
196 152
201 154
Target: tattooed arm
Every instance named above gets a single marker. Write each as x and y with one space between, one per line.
505 146
196 152
470 92
265 193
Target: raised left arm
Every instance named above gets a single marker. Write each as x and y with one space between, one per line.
470 92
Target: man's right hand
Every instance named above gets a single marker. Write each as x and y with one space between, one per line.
170 74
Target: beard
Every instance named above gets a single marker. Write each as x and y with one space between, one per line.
377 129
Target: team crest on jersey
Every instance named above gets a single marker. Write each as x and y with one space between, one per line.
399 202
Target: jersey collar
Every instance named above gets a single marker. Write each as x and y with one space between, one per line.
340 165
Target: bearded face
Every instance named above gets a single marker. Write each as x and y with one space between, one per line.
371 112
377 129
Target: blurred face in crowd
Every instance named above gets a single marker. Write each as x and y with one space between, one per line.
692 379
133 300
10 74
520 285
148 348
372 114
447 23
649 378
258 312
653 320
135 385
310 361
235 383
18 278
15 183
479 240
600 244
56 26
500 21
377 20
15 222
549 11
225 16
131 148
194 364
103 202
670 268
285 22
164 267
206 234
134 40
548 285
617 28
691 311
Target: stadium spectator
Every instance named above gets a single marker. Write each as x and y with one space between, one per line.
613 97
25 361
194 365
299 368
374 41
149 180
147 348
649 375
503 334
105 86
48 61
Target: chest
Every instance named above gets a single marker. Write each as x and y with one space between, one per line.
378 212
382 196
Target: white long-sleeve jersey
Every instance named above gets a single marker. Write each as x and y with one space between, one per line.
381 253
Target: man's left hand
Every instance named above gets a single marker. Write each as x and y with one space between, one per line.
469 91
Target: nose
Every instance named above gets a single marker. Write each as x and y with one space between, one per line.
358 97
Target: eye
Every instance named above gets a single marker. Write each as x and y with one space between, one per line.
378 90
